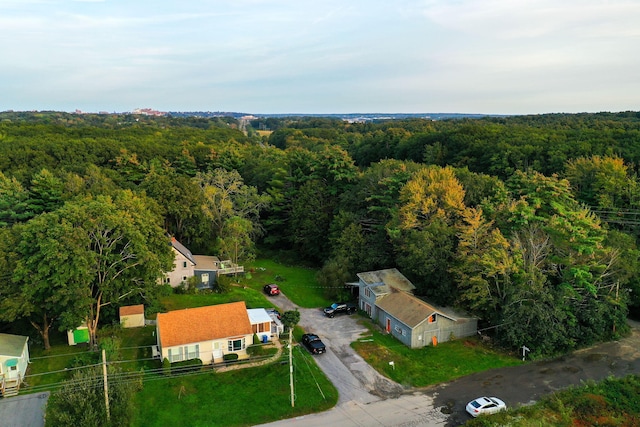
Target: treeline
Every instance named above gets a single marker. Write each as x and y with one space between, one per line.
527 222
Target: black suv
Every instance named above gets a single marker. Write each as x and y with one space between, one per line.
313 343
340 307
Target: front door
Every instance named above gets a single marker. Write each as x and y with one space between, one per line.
388 325
12 369
217 351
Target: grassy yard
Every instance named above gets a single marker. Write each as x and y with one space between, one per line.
237 398
428 365
299 284
51 367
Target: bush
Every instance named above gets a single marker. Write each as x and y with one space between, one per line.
166 366
190 365
255 350
229 358
84 359
256 339
223 284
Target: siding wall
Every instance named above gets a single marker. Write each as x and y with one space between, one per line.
177 276
209 351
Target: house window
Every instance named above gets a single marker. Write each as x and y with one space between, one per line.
236 345
167 280
205 278
192 351
184 278
367 292
175 355
432 318
184 264
261 327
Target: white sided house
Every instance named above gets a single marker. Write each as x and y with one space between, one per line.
206 268
205 333
14 359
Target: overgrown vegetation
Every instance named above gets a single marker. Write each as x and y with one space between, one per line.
611 402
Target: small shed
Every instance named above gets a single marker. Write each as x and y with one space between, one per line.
132 316
14 358
78 335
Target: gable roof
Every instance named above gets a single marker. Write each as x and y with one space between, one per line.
193 325
408 309
206 262
12 345
182 249
381 281
129 310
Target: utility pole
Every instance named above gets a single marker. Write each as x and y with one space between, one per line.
106 387
291 366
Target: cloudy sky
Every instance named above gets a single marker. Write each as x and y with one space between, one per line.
321 56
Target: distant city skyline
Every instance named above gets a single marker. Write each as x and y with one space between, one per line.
329 57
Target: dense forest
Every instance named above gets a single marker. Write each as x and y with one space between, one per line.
528 222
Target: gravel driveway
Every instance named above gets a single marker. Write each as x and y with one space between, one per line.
355 380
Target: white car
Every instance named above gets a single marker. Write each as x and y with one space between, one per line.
485 405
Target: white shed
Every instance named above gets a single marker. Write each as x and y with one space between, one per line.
132 316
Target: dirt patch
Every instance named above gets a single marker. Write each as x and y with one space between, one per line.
595 357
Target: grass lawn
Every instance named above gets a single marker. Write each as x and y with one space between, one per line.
236 398
299 284
429 365
252 297
49 367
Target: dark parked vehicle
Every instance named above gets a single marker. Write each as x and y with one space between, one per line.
340 307
313 343
271 289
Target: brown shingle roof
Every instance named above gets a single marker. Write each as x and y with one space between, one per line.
193 325
408 309
128 310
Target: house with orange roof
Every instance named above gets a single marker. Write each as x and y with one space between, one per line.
205 333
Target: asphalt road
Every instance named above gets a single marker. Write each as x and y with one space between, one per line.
369 399
23 411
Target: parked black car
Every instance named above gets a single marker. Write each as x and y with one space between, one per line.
313 343
340 307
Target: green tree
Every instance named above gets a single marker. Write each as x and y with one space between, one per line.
44 273
226 195
484 266
45 193
290 318
80 401
86 255
13 201
423 231
237 239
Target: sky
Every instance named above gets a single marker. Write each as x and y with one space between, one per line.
321 56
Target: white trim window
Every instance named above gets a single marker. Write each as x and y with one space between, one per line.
236 344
